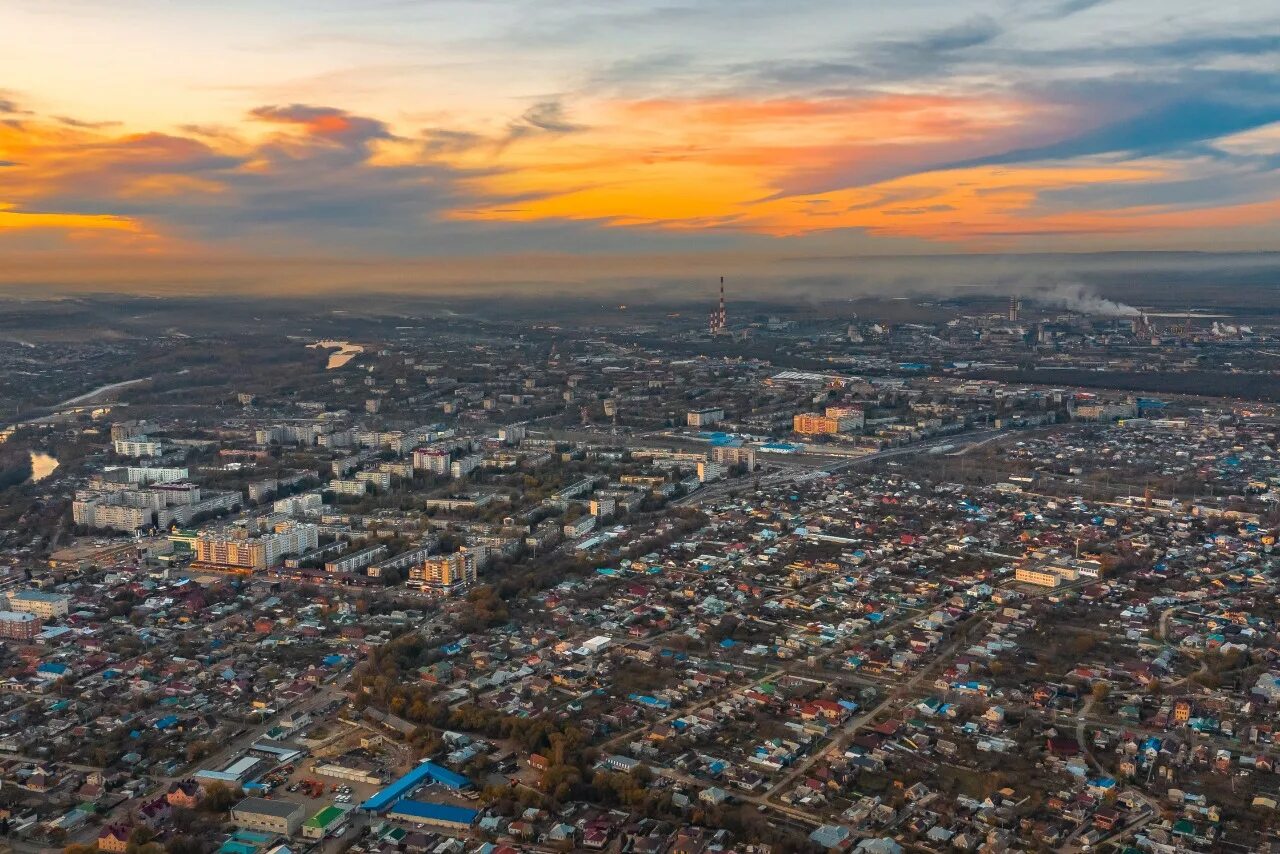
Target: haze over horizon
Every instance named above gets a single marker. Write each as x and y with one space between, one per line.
248 146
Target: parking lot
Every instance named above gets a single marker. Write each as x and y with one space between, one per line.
336 791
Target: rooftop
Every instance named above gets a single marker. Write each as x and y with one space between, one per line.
401 787
262 806
325 817
436 812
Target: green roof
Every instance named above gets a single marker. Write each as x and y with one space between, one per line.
325 817
392 833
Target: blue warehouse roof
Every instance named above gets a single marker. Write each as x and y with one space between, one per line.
436 812
419 775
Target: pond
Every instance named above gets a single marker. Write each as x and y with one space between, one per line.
42 465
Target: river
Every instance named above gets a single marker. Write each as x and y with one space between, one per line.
345 352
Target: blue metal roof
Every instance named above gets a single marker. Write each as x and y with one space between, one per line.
436 812
426 771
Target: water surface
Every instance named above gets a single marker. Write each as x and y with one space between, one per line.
345 352
42 465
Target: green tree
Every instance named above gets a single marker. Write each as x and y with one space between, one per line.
220 798
185 845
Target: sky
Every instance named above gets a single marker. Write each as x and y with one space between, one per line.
370 143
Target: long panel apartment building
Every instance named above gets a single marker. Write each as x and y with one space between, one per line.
39 602
238 550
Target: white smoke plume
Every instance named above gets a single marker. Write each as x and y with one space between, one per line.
1080 298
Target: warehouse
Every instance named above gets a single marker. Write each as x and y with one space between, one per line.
439 815
283 817
405 785
355 773
233 774
324 822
